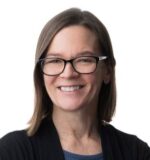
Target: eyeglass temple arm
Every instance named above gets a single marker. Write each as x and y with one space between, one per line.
102 58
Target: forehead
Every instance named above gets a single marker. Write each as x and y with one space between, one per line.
72 39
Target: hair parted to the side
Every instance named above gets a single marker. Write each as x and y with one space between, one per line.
107 97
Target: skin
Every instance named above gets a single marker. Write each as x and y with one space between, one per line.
74 113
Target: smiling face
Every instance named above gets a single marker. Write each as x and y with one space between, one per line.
70 90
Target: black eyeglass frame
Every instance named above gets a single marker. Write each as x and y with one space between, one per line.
97 58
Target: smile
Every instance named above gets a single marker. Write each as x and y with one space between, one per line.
70 88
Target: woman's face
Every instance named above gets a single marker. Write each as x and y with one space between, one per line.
70 90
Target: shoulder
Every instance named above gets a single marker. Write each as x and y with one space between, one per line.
128 143
113 132
15 145
13 136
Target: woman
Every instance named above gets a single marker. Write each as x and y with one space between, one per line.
75 97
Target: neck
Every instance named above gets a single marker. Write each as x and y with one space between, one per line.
75 124
78 131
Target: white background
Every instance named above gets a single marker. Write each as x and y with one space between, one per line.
128 23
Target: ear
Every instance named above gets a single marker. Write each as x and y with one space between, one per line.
107 75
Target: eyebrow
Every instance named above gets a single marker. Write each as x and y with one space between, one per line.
85 53
53 55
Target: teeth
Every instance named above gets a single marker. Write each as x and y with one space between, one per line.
70 89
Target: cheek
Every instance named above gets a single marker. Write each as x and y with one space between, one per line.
49 82
95 80
98 76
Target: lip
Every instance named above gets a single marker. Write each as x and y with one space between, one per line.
71 86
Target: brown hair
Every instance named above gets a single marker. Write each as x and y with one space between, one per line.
107 96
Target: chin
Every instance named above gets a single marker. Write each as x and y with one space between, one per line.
70 106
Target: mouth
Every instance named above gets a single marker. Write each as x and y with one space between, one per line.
70 88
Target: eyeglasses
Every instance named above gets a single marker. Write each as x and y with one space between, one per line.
84 65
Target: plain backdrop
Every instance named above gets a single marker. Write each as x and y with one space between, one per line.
128 23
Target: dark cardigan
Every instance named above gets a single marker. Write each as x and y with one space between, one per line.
45 145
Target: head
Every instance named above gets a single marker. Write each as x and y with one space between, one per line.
106 100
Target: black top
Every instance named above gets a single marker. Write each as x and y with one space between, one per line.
45 145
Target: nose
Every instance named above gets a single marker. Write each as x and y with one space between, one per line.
69 71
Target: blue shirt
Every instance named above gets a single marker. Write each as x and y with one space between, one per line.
73 156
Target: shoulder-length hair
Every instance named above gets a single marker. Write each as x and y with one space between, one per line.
107 96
